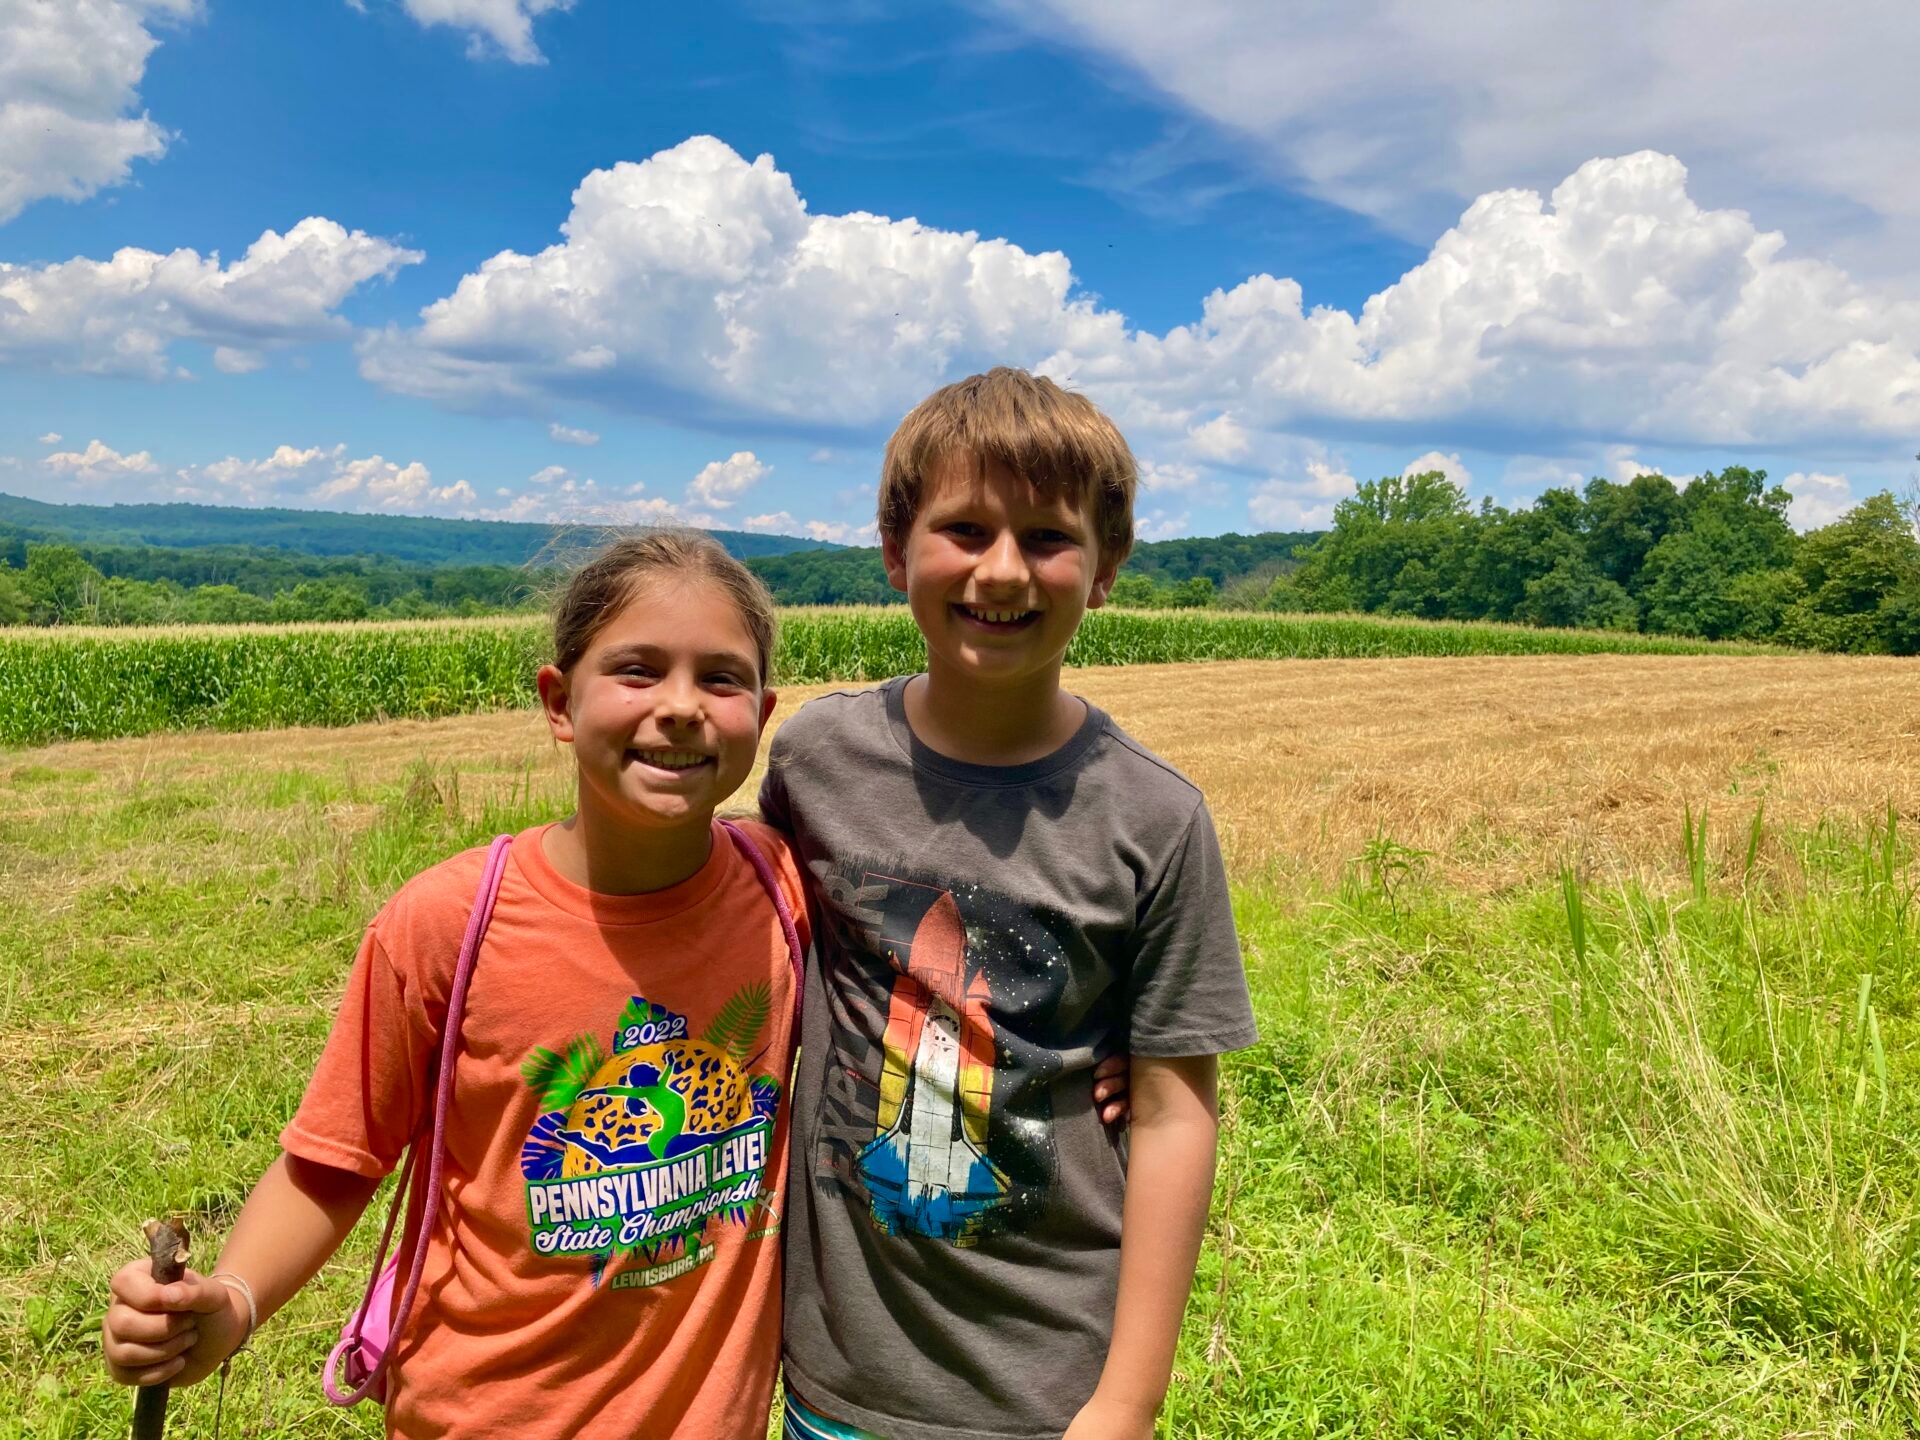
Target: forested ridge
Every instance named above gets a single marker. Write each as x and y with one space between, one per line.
424 539
51 579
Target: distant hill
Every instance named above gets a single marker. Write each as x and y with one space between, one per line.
418 539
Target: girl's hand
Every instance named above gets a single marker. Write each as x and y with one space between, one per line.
176 1333
1110 1078
1104 1419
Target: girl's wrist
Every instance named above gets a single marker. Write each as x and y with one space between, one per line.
241 1307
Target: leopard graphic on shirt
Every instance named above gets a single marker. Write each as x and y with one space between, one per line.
937 1117
650 1152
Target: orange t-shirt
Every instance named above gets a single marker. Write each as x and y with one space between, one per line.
605 1252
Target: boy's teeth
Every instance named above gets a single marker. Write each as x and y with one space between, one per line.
672 759
996 617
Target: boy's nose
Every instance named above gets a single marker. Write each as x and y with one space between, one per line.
1002 562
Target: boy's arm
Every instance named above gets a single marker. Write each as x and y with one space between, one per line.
1172 1155
292 1223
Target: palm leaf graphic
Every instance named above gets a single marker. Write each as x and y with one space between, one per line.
741 1020
560 1076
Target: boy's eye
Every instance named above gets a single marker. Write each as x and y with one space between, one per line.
726 679
1049 537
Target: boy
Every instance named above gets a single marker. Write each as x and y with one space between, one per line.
1007 889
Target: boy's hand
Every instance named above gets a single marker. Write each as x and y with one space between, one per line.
1110 1078
176 1333
1104 1419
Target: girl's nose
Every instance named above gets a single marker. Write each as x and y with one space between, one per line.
676 699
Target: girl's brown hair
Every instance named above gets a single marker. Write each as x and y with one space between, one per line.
604 585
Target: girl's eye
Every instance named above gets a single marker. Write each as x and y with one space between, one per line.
725 680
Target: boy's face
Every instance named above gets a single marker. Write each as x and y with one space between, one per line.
997 575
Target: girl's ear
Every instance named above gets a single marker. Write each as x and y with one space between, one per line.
768 699
555 702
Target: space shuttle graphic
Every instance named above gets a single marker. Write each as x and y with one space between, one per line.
926 1169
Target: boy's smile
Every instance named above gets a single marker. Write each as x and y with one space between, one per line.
997 575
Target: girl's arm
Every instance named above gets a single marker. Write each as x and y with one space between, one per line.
293 1221
1169 1186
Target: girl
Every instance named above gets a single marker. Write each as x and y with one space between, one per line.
605 1246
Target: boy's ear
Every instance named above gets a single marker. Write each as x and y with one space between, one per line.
768 699
893 555
1103 578
555 699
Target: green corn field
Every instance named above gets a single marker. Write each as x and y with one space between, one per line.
100 684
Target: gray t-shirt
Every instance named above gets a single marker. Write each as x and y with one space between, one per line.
984 935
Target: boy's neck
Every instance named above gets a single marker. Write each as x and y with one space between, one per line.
598 853
991 725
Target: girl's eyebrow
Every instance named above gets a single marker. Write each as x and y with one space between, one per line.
640 650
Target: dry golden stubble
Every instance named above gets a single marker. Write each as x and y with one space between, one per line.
1498 768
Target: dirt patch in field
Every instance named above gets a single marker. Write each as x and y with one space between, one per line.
1496 767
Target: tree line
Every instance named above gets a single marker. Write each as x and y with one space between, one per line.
47 580
1715 558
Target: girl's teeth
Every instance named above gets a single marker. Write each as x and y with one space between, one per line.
998 617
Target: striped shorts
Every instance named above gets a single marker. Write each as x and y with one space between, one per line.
803 1424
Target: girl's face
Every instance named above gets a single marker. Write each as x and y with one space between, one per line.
665 708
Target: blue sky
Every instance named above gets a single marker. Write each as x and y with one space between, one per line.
1516 249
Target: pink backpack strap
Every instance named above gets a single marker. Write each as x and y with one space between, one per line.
436 1149
770 882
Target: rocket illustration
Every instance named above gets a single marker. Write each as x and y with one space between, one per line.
926 1169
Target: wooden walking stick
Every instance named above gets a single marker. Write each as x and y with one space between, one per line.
167 1247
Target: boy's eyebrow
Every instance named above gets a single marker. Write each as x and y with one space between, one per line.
1074 517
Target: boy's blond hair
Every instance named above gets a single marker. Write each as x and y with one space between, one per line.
1058 442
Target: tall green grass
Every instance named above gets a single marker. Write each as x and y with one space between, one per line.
101 684
1588 1159
1595 1158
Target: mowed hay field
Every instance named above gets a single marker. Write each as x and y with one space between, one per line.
1573 1115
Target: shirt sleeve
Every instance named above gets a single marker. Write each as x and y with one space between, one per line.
775 809
369 1094
1187 987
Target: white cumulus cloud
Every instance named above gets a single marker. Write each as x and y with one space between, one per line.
324 477
721 482
696 285
52 437
1302 500
99 462
833 532
505 26
1615 310
1450 466
70 73
1817 499
123 316
567 435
